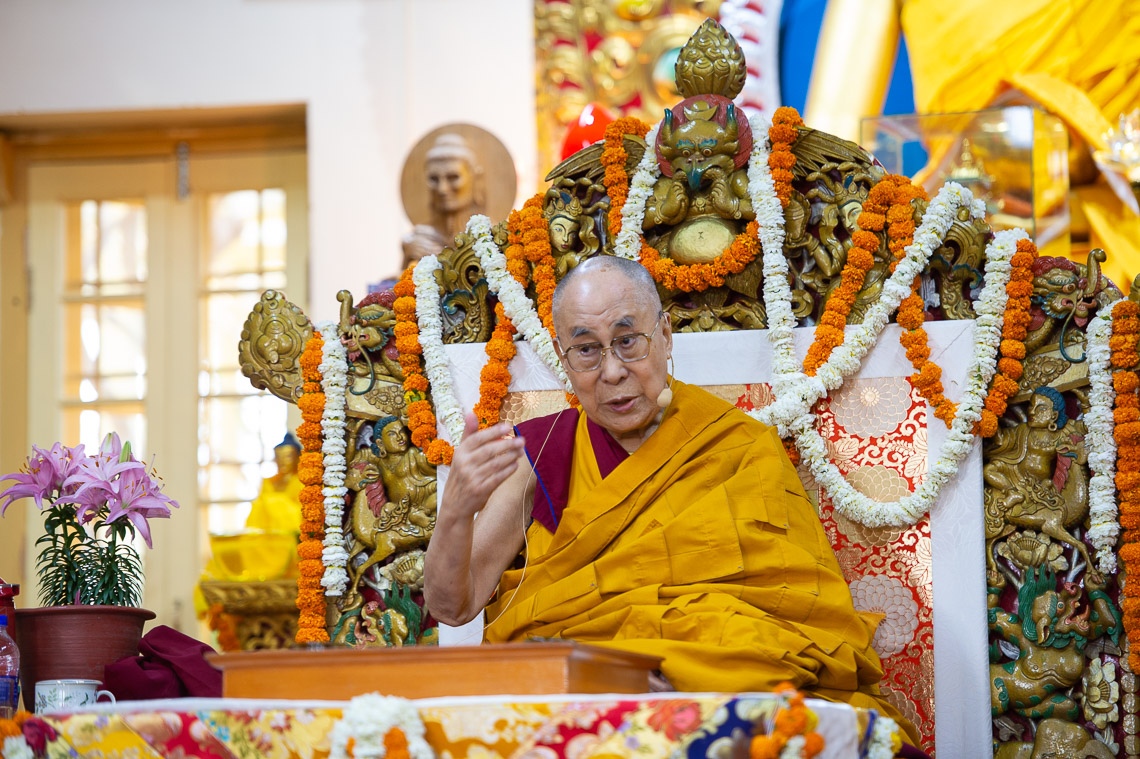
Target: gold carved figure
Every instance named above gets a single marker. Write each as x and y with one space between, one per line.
1035 474
1050 631
394 505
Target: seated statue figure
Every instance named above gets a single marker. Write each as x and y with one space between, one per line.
277 507
656 519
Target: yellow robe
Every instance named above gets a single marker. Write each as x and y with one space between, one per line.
701 548
277 509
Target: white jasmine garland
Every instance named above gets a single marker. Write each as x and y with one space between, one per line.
431 341
990 308
1104 526
368 718
334 384
794 748
627 244
16 747
518 307
883 735
796 394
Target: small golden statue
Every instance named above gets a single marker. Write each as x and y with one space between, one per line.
395 503
277 507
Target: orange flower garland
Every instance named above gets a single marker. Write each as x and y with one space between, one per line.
421 417
781 160
699 277
794 720
616 178
1126 414
311 626
889 201
495 377
1015 328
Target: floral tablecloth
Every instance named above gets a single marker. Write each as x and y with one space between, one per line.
530 727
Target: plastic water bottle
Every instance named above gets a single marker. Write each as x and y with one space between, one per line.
9 672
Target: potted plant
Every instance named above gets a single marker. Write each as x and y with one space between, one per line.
94 507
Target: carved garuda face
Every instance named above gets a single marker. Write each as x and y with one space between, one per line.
700 134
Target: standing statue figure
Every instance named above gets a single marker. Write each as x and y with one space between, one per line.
447 170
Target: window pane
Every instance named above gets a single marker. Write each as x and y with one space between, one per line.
122 242
238 425
104 322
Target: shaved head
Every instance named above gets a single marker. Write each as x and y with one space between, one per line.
633 272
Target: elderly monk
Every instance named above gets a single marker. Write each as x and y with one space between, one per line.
657 519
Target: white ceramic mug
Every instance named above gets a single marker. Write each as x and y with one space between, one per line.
61 695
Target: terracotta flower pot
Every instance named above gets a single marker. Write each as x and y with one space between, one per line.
59 642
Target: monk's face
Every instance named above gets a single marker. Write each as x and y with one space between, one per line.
597 307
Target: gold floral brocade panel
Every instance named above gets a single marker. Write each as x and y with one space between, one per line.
876 434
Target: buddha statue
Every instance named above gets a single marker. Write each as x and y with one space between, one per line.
277 507
454 178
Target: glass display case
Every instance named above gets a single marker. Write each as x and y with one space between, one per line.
1015 158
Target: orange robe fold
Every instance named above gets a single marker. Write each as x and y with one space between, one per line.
702 548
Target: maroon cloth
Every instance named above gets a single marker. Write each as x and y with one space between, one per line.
550 447
170 665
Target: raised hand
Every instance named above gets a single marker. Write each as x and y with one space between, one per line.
482 462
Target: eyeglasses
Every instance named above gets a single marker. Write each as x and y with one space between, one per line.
627 348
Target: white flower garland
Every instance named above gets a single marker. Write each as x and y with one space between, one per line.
368 718
794 748
16 747
791 411
959 440
796 393
430 321
627 244
1100 442
517 306
884 733
334 384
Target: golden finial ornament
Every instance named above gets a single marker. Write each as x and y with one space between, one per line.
710 63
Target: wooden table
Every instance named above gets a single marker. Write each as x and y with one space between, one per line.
434 671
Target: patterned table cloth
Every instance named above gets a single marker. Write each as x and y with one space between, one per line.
525 727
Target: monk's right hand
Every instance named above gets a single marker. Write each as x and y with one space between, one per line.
482 462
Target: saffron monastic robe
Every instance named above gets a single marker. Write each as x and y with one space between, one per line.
701 547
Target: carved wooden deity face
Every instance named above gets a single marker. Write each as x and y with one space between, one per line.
563 234
451 183
393 437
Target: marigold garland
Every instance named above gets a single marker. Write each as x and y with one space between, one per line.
225 626
781 160
688 278
888 206
791 721
421 417
311 627
1015 328
1126 409
614 156
495 377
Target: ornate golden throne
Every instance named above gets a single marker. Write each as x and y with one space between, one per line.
690 200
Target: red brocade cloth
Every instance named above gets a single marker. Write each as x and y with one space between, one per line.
170 665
